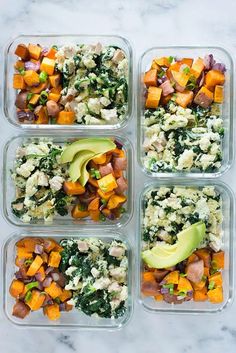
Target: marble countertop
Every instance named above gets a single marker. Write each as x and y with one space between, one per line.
144 24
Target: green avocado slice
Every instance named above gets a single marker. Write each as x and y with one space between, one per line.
187 241
76 165
96 145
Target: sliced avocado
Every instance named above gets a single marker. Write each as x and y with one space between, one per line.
187 241
96 145
76 166
84 176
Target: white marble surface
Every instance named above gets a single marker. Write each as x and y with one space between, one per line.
145 24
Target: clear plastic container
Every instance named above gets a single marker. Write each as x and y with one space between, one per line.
220 55
228 227
73 319
8 188
9 93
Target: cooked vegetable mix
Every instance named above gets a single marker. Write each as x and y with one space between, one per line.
72 84
88 274
182 244
86 177
183 125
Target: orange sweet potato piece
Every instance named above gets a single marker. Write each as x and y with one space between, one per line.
94 204
165 99
205 255
50 244
36 300
51 54
115 201
42 272
219 94
31 78
35 51
41 115
34 99
16 288
204 97
54 80
73 188
197 67
149 276
52 311
184 98
54 290
78 213
47 65
218 259
94 215
215 295
217 279
184 285
158 297
105 195
155 66
66 118
65 295
213 78
42 86
107 183
22 253
100 159
172 278
193 257
153 97
180 78
202 283
200 295
19 65
18 81
150 78
93 182
54 96
57 90
34 267
22 51
117 152
163 61
54 259
29 243
106 212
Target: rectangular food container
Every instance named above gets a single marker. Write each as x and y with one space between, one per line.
9 93
221 55
228 226
72 319
8 189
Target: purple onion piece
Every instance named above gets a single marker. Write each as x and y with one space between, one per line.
208 61
40 286
18 275
45 50
220 67
38 249
111 217
55 276
48 300
162 80
39 277
62 306
47 281
190 292
164 290
48 270
29 65
26 117
118 145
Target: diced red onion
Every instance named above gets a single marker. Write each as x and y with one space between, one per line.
39 277
48 270
208 61
62 306
111 216
164 290
48 300
45 50
161 80
18 275
38 249
26 117
220 67
47 244
47 281
118 144
29 65
55 276
40 285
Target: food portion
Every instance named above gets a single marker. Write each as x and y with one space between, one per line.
182 249
183 124
71 84
88 274
86 178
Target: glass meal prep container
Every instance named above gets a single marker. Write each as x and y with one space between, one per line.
220 55
228 225
60 40
72 319
9 189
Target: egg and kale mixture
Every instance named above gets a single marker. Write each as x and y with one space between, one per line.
38 177
96 272
169 210
183 139
95 83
